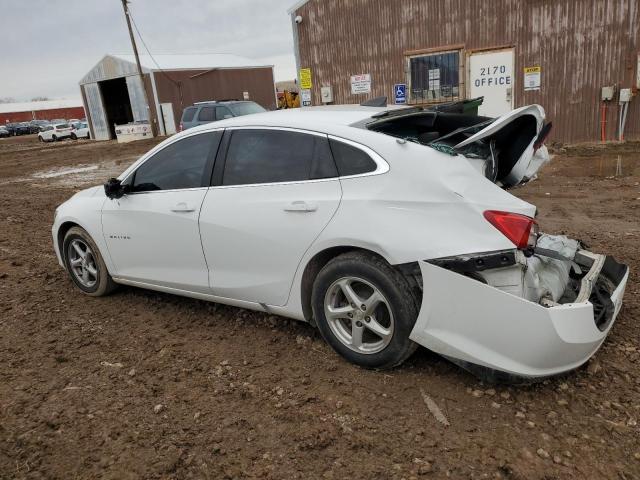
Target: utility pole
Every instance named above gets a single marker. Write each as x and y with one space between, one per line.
125 6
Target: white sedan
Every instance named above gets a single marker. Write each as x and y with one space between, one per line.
384 227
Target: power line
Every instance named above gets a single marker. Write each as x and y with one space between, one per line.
135 25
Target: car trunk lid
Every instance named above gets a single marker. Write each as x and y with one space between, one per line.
512 146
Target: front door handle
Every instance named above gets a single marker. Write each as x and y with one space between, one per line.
301 206
182 207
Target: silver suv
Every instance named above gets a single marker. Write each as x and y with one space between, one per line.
211 111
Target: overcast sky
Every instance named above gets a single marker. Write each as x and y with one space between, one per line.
47 46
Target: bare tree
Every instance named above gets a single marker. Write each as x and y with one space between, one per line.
7 100
40 99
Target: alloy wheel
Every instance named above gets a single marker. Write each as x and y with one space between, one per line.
359 315
82 263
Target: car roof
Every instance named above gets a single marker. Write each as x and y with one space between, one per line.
218 102
305 118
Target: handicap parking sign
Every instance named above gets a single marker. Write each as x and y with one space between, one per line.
400 93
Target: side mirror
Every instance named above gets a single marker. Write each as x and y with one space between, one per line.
114 188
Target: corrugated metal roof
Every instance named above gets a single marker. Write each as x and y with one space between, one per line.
122 65
41 105
192 61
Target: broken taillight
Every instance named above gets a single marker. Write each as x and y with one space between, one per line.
520 229
542 136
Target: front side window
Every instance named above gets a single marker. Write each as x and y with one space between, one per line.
351 160
180 165
206 114
246 108
435 77
222 113
269 156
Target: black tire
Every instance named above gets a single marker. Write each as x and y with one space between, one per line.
40 138
54 138
73 136
394 288
103 284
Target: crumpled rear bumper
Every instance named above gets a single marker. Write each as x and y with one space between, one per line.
476 324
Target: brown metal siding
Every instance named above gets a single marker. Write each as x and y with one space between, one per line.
581 46
184 87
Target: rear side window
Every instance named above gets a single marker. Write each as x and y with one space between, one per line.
206 114
180 165
268 156
351 160
188 114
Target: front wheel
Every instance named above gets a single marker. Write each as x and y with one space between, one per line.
54 138
365 310
85 264
73 136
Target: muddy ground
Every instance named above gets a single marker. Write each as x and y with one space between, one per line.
148 385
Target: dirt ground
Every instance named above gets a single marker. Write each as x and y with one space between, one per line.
148 385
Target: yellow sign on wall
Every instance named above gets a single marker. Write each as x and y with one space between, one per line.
305 78
532 78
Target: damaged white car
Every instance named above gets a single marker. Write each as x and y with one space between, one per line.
385 227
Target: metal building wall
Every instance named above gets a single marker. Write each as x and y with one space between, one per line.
182 88
95 110
136 98
581 46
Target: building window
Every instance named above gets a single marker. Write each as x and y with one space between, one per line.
435 77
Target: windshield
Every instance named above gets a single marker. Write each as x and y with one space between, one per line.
245 108
62 125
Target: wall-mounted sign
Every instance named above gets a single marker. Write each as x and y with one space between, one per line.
532 78
305 97
400 93
360 84
245 95
305 78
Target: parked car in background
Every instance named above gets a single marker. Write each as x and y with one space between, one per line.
36 125
22 128
80 130
385 227
207 112
55 132
18 128
4 133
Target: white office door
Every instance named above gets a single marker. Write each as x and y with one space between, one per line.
491 77
167 118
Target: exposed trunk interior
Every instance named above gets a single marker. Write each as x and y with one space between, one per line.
499 150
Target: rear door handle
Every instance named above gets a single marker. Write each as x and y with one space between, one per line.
182 207
301 206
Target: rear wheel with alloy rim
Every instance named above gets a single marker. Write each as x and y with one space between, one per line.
365 309
85 264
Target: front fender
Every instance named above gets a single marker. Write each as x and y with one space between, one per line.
84 210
